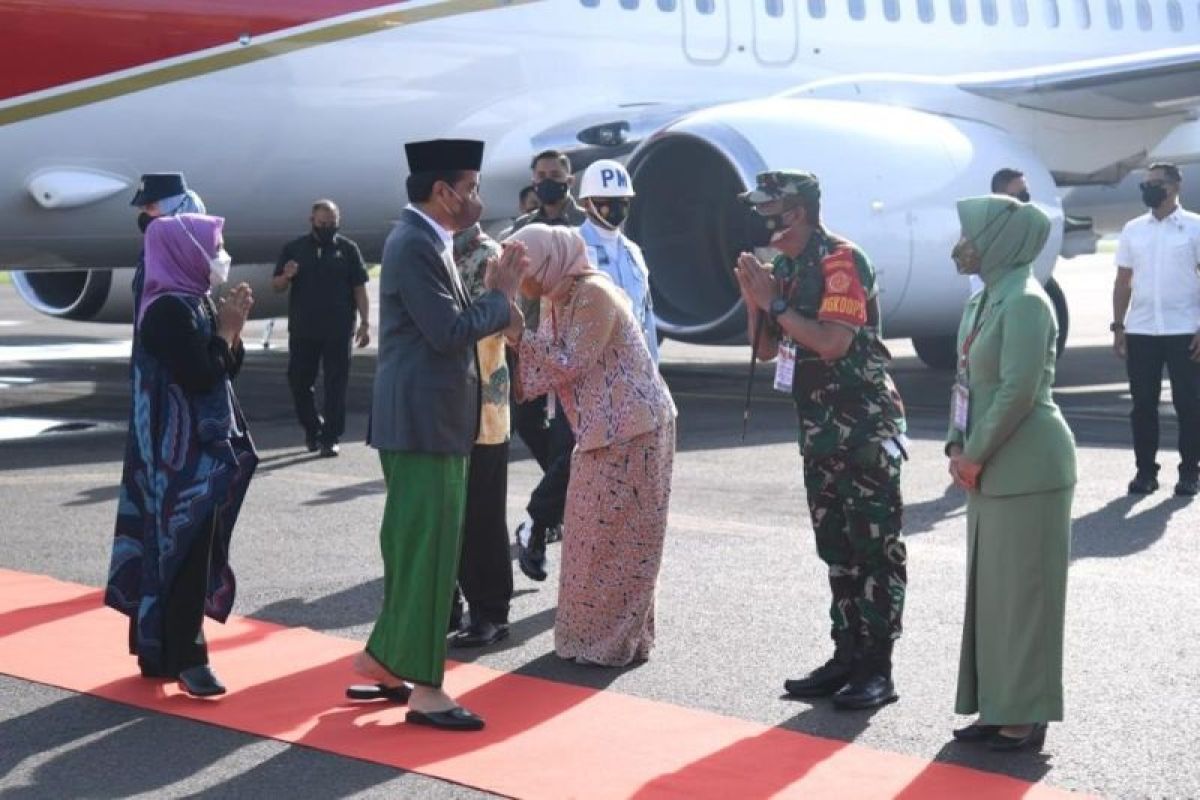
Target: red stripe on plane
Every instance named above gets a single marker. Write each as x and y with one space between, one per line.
49 43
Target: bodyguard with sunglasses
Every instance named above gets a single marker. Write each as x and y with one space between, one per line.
606 191
1156 322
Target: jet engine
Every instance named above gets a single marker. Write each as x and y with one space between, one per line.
889 176
106 295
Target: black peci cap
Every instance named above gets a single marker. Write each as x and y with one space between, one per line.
155 186
440 155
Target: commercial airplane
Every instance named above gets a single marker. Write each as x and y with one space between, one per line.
899 107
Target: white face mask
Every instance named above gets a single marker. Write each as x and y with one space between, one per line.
218 268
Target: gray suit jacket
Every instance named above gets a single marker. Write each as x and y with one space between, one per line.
427 394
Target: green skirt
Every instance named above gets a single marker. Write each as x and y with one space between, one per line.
421 537
1018 547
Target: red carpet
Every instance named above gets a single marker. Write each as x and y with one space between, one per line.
287 684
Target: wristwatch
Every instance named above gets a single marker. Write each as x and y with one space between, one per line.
778 306
1117 327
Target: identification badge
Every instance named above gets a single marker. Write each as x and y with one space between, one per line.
785 365
960 406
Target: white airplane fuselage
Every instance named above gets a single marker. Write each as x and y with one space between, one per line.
259 140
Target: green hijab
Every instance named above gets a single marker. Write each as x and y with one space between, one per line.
1007 233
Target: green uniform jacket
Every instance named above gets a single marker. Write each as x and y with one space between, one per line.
1014 429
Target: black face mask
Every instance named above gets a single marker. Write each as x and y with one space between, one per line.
550 192
1023 196
613 212
1153 195
144 220
324 234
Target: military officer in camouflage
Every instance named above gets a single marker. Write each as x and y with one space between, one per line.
820 315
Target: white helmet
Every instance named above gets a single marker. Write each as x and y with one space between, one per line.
605 178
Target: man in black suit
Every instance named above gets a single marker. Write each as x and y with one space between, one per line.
425 418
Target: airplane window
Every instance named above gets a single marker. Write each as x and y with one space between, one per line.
891 10
1116 20
925 10
1145 20
590 3
1051 10
1174 15
958 11
858 9
706 6
629 5
816 9
988 8
666 5
1020 12
774 8
1083 14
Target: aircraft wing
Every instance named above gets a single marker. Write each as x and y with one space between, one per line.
1158 83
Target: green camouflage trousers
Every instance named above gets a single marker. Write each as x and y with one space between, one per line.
857 515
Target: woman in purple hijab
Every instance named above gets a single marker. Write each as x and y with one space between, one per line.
190 457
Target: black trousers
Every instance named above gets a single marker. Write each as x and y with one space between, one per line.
485 576
183 612
332 357
1144 360
551 444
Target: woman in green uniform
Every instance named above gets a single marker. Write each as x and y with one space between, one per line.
1010 447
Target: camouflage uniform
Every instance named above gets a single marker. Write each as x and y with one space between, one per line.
847 410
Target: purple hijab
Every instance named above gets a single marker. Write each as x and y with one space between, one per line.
174 264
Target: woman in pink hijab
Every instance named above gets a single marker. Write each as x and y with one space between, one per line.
590 356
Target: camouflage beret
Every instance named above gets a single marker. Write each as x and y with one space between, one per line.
782 183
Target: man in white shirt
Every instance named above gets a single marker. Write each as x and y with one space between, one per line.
1156 313
606 191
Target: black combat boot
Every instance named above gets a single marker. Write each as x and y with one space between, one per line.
871 684
829 677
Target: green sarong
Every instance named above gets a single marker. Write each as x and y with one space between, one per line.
421 538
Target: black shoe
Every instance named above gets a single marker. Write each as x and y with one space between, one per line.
379 691
201 682
866 691
531 556
1143 483
479 634
976 732
1188 486
1031 741
330 450
871 684
830 676
456 719
310 442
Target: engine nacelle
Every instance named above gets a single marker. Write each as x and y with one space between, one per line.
106 295
890 177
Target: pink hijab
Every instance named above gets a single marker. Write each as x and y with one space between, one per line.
174 264
556 253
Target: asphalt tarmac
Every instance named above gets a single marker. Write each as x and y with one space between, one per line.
742 596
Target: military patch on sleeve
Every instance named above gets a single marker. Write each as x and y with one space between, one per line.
845 298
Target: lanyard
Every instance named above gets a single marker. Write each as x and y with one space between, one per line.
975 327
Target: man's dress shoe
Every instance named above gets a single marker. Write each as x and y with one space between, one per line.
1031 741
1188 486
1143 483
330 450
479 634
976 732
379 691
201 682
456 719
